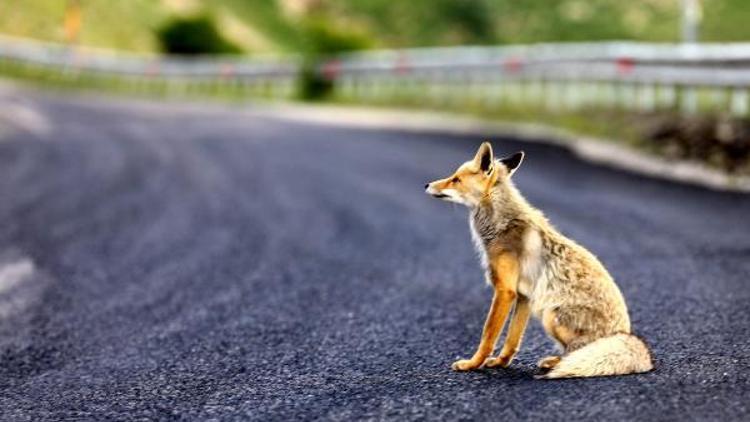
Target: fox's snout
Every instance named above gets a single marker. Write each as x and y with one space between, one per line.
435 192
430 190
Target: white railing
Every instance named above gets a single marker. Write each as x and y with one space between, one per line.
638 76
275 75
629 75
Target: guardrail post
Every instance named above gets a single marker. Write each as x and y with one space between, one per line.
572 95
718 99
647 97
667 97
588 96
498 90
609 93
535 91
554 96
628 95
739 102
689 100
433 87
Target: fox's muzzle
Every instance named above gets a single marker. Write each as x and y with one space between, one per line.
434 193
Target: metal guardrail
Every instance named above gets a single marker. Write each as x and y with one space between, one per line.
637 76
273 76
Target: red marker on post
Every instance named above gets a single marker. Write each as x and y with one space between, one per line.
402 65
226 71
513 64
331 69
625 65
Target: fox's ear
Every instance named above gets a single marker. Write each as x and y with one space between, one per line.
484 157
512 162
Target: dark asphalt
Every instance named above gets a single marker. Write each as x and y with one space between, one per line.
195 263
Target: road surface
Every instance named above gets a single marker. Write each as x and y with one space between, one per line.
164 261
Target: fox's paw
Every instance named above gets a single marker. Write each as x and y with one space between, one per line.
548 362
465 365
502 361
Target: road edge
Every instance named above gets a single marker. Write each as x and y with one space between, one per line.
596 150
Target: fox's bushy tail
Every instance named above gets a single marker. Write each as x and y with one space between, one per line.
618 354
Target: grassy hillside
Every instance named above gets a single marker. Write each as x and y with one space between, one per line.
279 25
127 25
255 25
430 22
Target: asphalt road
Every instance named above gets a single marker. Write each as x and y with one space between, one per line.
185 262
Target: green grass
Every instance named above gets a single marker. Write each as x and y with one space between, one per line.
126 25
266 17
131 24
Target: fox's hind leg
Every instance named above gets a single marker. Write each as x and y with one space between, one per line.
565 326
563 335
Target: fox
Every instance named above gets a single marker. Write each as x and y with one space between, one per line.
535 270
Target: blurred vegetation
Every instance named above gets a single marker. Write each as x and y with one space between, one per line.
323 40
280 25
194 35
128 25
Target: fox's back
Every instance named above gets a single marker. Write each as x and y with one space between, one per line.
575 278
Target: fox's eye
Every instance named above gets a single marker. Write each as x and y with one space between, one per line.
456 180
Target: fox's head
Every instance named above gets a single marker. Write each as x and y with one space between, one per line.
474 179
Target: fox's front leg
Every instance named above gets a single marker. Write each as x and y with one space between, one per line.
515 334
504 275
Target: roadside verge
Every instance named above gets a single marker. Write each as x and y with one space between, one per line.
597 150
